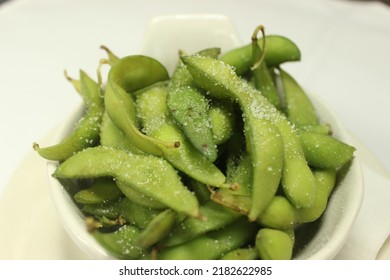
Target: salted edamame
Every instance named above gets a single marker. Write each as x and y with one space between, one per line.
215 162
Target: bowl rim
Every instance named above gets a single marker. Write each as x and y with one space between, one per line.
340 234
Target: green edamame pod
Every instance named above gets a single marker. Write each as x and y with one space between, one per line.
152 110
260 121
137 71
273 244
101 190
297 179
279 49
157 229
213 216
201 190
99 210
263 137
319 128
121 243
241 254
127 75
122 112
239 170
139 197
181 77
153 113
190 109
150 175
300 110
112 136
134 213
89 90
212 245
326 181
222 120
86 132
280 214
187 159
264 83
325 151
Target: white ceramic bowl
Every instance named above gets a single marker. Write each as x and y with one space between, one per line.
191 33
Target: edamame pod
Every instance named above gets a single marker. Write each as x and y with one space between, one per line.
281 214
190 109
121 243
157 229
325 151
139 197
86 132
319 128
99 210
112 136
212 245
297 179
152 110
153 113
279 49
300 110
213 216
150 175
101 190
89 90
127 75
241 254
239 170
187 159
222 120
201 190
134 213
121 110
263 137
326 181
136 71
273 244
260 120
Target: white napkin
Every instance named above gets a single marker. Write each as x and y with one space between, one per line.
372 226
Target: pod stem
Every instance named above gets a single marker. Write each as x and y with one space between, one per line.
102 62
112 58
35 146
74 82
256 48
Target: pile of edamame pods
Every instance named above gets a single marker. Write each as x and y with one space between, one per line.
225 159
